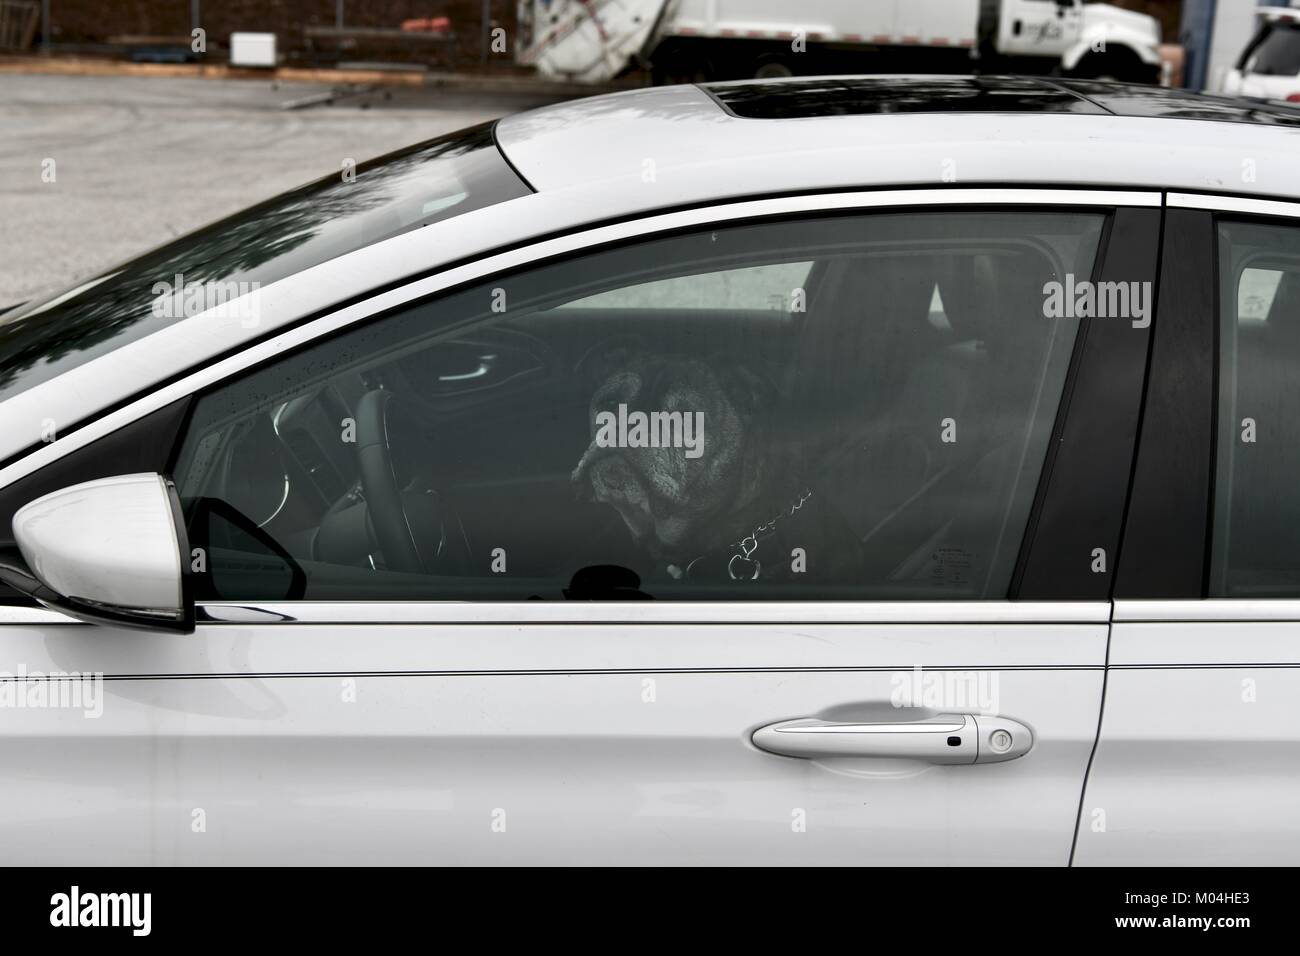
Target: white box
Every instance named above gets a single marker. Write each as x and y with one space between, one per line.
252 49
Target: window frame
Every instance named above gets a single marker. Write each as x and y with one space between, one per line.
1165 541
1023 595
1085 485
1169 534
1233 209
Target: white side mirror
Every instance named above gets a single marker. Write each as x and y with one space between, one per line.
108 551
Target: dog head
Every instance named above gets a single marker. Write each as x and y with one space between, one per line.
676 448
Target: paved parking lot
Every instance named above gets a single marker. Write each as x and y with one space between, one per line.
139 160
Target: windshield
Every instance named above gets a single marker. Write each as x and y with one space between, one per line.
1276 52
416 186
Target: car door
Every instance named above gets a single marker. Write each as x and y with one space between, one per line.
850 606
1196 761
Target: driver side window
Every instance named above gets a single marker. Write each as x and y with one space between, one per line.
757 412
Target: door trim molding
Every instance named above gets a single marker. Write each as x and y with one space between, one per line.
657 612
619 612
1221 609
1238 204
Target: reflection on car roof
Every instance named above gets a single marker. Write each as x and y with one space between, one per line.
866 95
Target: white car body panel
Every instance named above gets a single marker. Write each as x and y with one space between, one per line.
655 148
1198 758
550 723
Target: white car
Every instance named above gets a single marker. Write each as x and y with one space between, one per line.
828 471
1269 67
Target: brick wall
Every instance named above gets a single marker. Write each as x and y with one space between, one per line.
93 21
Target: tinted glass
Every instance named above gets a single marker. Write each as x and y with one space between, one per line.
845 407
839 96
1256 533
405 190
1166 103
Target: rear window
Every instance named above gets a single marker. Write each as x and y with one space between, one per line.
414 187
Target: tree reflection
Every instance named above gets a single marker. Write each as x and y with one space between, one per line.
450 175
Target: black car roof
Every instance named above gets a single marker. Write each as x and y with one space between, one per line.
857 95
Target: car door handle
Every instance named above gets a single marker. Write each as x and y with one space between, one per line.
944 739
485 363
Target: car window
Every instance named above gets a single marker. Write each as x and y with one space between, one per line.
651 422
1276 52
756 287
1255 292
224 264
1256 528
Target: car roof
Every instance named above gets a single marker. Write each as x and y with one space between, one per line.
687 144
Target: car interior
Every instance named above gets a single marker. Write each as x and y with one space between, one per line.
1259 545
912 400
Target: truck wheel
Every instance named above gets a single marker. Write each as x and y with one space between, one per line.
1121 65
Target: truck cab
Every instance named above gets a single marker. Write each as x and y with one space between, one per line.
1095 40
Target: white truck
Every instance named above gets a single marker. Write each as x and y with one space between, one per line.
688 40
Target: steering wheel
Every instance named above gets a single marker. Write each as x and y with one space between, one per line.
417 531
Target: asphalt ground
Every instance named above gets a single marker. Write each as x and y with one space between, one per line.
95 170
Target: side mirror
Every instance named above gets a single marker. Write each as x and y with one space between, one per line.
108 551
